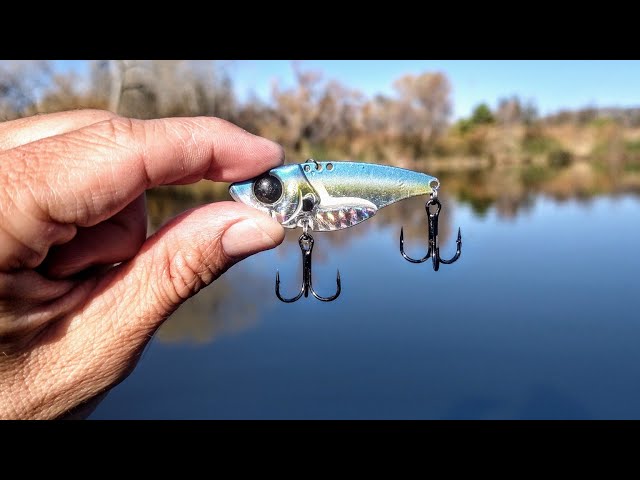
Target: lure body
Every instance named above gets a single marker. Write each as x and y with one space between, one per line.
330 195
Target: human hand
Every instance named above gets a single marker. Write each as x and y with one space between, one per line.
72 323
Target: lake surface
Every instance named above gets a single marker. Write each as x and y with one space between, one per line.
538 319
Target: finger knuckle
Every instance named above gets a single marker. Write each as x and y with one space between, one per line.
117 130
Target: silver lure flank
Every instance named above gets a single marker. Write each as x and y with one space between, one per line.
330 195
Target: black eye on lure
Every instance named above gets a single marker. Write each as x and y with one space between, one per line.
326 196
267 189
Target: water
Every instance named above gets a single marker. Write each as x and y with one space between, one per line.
538 319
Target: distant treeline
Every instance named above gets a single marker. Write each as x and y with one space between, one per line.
628 117
324 118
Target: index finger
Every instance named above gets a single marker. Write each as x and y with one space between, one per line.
85 176
21 131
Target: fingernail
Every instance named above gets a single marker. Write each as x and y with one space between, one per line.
252 235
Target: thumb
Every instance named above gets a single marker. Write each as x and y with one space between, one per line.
99 346
188 253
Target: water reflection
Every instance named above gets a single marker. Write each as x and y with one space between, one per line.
223 308
527 324
512 189
233 302
237 301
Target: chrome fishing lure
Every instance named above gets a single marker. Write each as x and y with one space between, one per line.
326 196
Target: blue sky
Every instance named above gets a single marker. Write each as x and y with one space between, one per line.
552 85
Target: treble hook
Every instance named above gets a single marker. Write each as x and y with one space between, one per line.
434 249
306 246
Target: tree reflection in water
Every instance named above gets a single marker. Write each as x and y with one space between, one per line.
224 306
217 309
508 191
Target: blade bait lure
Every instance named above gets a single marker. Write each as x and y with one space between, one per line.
327 196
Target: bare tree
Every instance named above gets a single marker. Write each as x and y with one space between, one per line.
375 116
509 111
161 88
422 111
314 111
512 111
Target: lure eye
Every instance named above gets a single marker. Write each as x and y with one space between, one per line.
267 189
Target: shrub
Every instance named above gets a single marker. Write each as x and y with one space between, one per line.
632 146
537 143
533 175
481 115
559 158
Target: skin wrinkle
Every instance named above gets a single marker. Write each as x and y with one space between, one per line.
127 285
139 154
111 186
203 260
123 318
124 233
144 168
192 269
125 293
182 277
150 131
181 274
25 257
163 303
26 130
27 207
108 133
39 287
115 320
85 141
138 150
87 287
26 382
71 371
182 152
59 307
36 253
85 203
49 313
38 233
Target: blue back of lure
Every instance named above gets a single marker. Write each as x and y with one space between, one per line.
330 195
